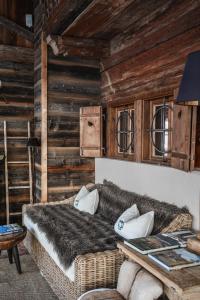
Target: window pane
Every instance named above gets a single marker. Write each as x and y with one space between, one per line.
123 127
132 130
161 134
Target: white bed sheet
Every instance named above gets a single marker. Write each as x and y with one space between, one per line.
41 237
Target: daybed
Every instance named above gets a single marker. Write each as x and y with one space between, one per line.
98 269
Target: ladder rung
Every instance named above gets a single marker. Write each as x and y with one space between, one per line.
18 187
18 162
17 138
15 214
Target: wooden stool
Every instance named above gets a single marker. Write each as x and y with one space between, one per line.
9 242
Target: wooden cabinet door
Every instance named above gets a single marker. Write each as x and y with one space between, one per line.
91 131
181 137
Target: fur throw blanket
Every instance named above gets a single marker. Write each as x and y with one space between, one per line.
73 232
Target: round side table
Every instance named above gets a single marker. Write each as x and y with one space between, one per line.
9 242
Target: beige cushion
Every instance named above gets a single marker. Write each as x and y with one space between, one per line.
87 201
137 227
126 277
145 286
129 214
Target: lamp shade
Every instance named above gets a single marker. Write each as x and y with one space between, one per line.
190 85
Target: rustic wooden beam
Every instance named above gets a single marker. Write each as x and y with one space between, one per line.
72 46
19 30
44 175
63 14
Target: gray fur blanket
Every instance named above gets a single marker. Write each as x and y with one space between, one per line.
73 232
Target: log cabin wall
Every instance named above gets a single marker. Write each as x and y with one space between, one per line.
72 83
16 102
148 56
38 22
16 107
15 10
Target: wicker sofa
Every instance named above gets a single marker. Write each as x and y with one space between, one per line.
101 269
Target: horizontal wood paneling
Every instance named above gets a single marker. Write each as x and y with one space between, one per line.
15 10
16 107
150 57
72 83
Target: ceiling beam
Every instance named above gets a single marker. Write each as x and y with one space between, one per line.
81 47
19 30
64 14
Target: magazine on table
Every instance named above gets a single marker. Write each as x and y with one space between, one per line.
9 229
175 259
160 241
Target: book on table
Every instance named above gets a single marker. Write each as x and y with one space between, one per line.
9 229
175 259
160 241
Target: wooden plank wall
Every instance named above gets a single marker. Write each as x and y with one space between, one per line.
38 21
16 107
149 56
72 83
14 10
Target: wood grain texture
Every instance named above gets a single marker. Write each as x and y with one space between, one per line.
44 113
179 284
15 11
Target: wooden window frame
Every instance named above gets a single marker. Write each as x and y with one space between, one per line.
153 156
111 130
118 111
147 145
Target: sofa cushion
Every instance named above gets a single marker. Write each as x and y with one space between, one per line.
114 200
129 214
137 227
127 274
146 286
87 201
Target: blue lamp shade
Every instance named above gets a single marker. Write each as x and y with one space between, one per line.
190 85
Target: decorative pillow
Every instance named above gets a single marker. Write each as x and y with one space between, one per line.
82 193
126 277
137 227
145 286
129 214
88 203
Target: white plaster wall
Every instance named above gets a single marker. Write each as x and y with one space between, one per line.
162 183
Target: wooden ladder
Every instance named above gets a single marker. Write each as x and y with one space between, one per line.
10 163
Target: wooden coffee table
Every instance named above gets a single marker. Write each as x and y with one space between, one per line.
9 242
181 284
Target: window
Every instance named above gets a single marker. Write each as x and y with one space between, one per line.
157 129
160 131
125 131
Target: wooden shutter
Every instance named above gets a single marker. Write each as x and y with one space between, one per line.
181 137
91 131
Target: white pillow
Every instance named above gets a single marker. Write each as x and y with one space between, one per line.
126 277
145 286
138 227
129 214
82 193
88 203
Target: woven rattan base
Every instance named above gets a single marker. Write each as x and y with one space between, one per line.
92 270
59 283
